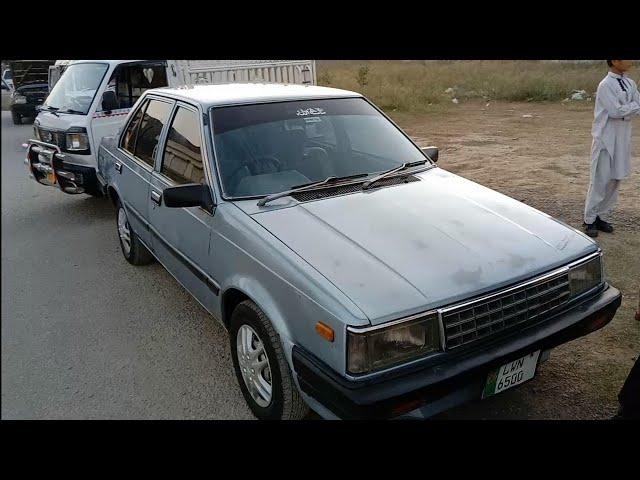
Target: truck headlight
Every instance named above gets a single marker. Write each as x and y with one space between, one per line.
17 98
369 350
77 141
585 276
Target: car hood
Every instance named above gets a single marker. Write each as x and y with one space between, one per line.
403 249
30 71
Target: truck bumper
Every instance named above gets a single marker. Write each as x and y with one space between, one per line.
47 165
430 390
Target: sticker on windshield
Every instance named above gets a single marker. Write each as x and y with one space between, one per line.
312 120
303 112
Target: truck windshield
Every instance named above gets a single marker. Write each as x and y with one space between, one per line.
76 88
267 148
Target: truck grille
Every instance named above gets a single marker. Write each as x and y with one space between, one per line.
486 317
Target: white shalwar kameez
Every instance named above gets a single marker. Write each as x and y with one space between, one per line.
617 101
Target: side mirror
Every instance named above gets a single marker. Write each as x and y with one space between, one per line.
189 195
431 152
109 101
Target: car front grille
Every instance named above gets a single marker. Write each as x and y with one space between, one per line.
36 97
488 316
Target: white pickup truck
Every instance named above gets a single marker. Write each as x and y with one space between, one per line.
93 97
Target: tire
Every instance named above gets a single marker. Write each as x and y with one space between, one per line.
17 118
136 253
285 403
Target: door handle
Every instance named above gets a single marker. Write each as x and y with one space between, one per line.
156 197
118 166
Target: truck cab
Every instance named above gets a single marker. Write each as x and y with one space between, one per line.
93 97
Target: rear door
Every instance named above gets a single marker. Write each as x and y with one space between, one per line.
181 236
139 148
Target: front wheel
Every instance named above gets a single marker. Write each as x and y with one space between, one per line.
261 367
17 118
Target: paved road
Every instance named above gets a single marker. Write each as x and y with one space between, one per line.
84 333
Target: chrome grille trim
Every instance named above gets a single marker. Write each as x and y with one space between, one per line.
520 304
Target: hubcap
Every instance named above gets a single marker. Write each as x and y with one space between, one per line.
123 231
254 365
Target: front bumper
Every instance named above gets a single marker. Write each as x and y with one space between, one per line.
452 382
25 109
49 166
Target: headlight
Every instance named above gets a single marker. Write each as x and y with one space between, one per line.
77 141
371 350
17 98
585 276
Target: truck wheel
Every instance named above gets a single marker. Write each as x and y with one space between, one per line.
17 118
132 248
261 367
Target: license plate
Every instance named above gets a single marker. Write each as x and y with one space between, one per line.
511 374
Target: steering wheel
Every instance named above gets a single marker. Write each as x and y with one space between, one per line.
266 164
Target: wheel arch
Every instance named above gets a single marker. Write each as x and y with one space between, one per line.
235 294
113 195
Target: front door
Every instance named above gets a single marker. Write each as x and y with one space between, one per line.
181 236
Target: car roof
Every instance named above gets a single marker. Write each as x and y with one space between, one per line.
243 93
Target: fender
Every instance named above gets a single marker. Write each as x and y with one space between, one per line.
263 299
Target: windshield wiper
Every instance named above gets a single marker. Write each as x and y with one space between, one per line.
307 186
367 185
53 110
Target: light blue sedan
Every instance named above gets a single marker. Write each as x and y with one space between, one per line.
354 275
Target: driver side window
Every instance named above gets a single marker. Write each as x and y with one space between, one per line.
182 158
130 81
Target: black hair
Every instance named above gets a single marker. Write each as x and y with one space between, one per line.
610 63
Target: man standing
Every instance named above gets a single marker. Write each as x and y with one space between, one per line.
617 101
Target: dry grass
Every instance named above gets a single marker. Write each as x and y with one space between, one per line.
418 86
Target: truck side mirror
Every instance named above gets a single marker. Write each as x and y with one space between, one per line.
431 152
109 101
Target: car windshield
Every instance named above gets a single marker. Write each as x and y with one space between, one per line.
76 88
267 148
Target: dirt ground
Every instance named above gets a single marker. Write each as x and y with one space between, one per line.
543 160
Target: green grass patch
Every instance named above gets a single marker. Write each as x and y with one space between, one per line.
416 86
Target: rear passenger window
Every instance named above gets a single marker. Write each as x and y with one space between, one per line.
129 137
153 120
182 159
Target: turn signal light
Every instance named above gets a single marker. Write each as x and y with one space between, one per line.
325 331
